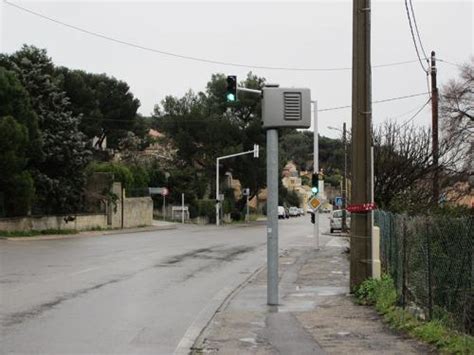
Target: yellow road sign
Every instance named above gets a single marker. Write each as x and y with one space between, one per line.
315 203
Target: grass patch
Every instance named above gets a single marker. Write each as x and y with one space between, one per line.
383 296
34 233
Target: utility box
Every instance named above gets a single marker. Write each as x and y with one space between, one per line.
286 107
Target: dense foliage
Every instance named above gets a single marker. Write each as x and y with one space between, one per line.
106 106
58 166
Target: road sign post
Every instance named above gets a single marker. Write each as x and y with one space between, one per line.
164 193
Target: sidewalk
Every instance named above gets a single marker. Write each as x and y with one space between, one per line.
316 314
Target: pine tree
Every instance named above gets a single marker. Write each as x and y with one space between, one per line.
59 174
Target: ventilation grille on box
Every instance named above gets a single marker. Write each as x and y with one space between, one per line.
292 106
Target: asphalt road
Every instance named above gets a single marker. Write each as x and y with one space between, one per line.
140 293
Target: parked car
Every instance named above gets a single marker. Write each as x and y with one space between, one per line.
302 213
326 209
281 212
294 211
335 221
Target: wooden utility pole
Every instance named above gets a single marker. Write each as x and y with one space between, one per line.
361 227
434 124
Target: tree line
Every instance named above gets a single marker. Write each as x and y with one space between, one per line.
50 115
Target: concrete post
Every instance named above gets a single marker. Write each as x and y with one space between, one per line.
376 266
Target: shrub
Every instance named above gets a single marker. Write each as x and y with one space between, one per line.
236 215
380 293
206 208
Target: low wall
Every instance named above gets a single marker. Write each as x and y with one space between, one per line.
81 222
137 211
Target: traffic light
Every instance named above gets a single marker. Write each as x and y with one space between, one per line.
314 183
313 217
231 92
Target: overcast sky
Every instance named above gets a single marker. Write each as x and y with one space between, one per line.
311 34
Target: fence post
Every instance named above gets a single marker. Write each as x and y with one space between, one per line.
428 250
404 261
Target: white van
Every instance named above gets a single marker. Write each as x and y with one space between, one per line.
281 212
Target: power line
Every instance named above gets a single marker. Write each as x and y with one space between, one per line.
413 37
376 102
187 57
321 110
416 113
417 31
406 112
451 63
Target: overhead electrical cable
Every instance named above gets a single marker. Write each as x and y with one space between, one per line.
375 102
417 31
413 37
188 57
321 110
416 113
451 63
400 115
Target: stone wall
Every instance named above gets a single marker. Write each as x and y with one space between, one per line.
137 212
80 222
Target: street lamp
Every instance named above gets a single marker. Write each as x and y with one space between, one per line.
344 180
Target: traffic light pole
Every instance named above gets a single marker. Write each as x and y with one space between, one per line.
316 170
254 151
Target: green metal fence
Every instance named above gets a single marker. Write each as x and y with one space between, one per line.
431 262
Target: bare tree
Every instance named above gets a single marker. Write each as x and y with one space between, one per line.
457 113
457 103
403 164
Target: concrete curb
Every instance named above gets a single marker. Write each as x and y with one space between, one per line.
192 338
91 233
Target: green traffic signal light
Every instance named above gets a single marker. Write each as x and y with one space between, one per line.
314 183
231 92
230 97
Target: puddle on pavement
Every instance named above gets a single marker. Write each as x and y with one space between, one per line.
296 306
323 290
252 341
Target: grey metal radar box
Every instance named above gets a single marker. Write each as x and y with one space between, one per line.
286 107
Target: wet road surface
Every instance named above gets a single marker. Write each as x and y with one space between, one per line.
141 293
